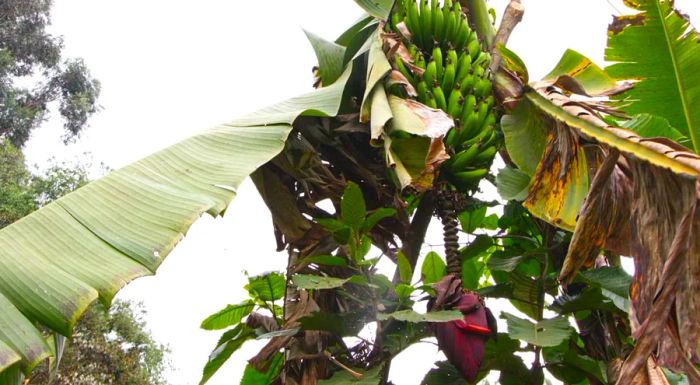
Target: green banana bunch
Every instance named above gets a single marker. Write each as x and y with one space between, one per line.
450 71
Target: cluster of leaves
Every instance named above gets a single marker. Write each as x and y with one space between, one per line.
22 192
109 347
30 55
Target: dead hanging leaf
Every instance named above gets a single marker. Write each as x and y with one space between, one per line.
642 204
397 78
561 179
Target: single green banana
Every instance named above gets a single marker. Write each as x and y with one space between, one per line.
470 130
426 21
463 32
489 139
467 179
413 21
463 159
440 98
451 137
463 66
452 57
439 25
430 100
450 26
467 84
439 63
474 49
486 155
483 136
430 74
448 78
454 104
403 69
422 91
482 88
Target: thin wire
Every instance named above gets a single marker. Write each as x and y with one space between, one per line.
613 7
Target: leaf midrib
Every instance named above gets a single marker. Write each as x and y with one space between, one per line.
681 88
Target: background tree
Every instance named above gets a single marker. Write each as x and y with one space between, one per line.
33 74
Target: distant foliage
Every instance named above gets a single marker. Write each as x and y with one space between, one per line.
110 348
33 74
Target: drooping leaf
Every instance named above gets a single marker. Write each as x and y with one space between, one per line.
404 266
253 377
377 215
377 8
668 85
574 67
90 243
352 206
548 332
278 333
330 58
377 68
650 126
512 184
307 281
472 219
267 287
228 316
229 342
525 136
346 37
433 268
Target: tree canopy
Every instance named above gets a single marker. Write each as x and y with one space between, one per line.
33 74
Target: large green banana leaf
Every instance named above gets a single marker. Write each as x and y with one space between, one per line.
659 48
90 243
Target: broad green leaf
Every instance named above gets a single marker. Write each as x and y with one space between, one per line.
512 184
413 316
614 283
513 63
341 377
444 373
328 260
404 266
549 332
378 8
658 48
253 377
267 287
305 281
352 206
346 37
228 316
471 220
12 376
650 126
525 136
590 298
500 354
344 324
90 243
501 261
471 273
523 291
376 216
477 247
229 342
330 58
404 291
614 279
433 268
593 79
8 356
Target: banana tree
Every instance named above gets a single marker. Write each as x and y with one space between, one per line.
412 105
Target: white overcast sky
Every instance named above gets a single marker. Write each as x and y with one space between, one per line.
171 68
